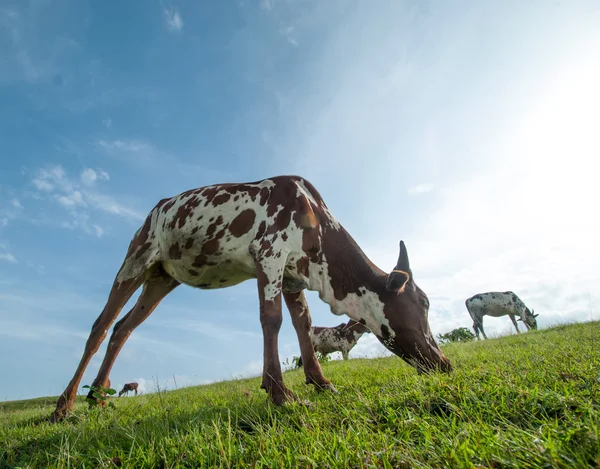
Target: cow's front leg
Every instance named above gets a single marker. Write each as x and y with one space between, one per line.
296 303
269 280
514 321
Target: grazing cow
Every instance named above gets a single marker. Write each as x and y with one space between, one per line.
341 338
129 387
280 232
498 304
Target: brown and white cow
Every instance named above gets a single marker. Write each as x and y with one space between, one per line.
129 387
341 338
280 232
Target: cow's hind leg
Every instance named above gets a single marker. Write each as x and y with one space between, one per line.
476 329
119 295
157 285
296 303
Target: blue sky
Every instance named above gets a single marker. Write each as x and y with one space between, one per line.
468 129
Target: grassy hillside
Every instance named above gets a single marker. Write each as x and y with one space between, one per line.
520 401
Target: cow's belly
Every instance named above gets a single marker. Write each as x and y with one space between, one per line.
498 311
221 273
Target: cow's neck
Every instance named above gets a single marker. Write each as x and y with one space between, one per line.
350 283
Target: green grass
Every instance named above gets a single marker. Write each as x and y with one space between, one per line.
520 401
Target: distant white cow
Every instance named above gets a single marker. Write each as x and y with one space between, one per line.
498 304
341 338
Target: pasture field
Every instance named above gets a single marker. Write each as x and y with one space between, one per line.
528 401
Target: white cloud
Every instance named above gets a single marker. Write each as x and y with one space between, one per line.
43 185
107 123
90 176
108 204
173 19
7 256
50 179
78 197
133 146
13 209
72 199
266 5
421 188
99 231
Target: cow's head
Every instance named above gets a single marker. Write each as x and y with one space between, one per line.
406 309
529 318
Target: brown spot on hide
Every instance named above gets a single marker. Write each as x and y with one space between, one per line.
175 252
252 192
189 243
282 221
209 194
302 265
311 244
183 212
200 260
143 248
213 226
167 206
193 272
261 230
243 223
282 194
140 242
221 199
284 236
161 203
264 195
211 246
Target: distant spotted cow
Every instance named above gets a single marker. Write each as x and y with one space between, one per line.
341 338
279 232
498 304
129 387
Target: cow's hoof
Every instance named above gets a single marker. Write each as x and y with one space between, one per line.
57 416
326 386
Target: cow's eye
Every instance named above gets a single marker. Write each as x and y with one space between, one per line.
423 303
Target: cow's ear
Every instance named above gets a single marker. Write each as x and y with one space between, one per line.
519 319
400 276
396 281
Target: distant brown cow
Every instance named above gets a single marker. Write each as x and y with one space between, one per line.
129 387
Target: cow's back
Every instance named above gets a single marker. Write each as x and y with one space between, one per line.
493 304
206 237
